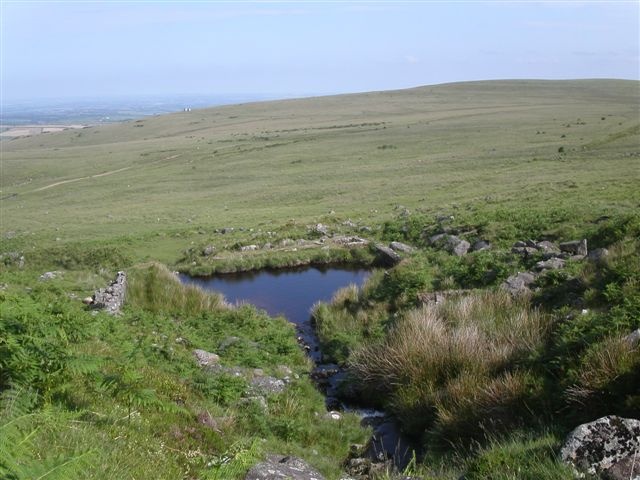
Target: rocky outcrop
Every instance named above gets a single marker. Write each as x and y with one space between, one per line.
633 339
575 247
277 467
608 447
451 243
480 246
266 385
12 258
553 263
349 241
387 256
111 298
49 275
519 283
205 358
401 247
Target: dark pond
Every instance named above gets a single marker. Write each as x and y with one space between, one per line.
292 293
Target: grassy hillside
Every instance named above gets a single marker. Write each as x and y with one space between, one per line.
486 144
86 395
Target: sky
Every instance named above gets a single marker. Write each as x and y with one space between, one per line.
113 48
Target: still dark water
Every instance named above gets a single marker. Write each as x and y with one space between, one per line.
291 293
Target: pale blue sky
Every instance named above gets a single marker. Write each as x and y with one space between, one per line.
70 49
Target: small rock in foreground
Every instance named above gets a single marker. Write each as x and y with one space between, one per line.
607 447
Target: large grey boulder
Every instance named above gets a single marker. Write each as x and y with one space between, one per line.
553 263
205 358
608 447
280 467
633 339
519 283
112 297
450 243
401 247
387 256
598 254
480 246
208 250
575 247
265 385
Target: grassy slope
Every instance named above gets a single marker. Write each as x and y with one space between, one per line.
263 164
488 151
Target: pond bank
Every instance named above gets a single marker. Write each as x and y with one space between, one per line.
292 293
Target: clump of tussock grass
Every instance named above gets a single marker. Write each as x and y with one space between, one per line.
155 288
453 367
603 365
350 319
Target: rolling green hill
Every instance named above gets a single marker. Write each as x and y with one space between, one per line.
488 384
358 155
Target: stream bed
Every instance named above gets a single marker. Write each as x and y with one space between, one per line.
291 293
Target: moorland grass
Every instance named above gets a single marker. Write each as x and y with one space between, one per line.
104 397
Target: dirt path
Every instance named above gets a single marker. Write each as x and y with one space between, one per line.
104 174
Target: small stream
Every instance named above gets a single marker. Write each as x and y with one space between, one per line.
292 293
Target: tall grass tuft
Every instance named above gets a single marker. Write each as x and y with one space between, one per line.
453 366
155 288
350 319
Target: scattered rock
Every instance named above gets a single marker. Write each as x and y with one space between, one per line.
49 275
208 250
633 338
321 229
111 298
401 247
547 246
387 256
350 241
598 254
525 250
205 358
332 415
267 385
227 230
457 246
553 263
575 247
248 248
480 245
519 283
450 243
13 258
604 448
350 224
87 300
279 467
